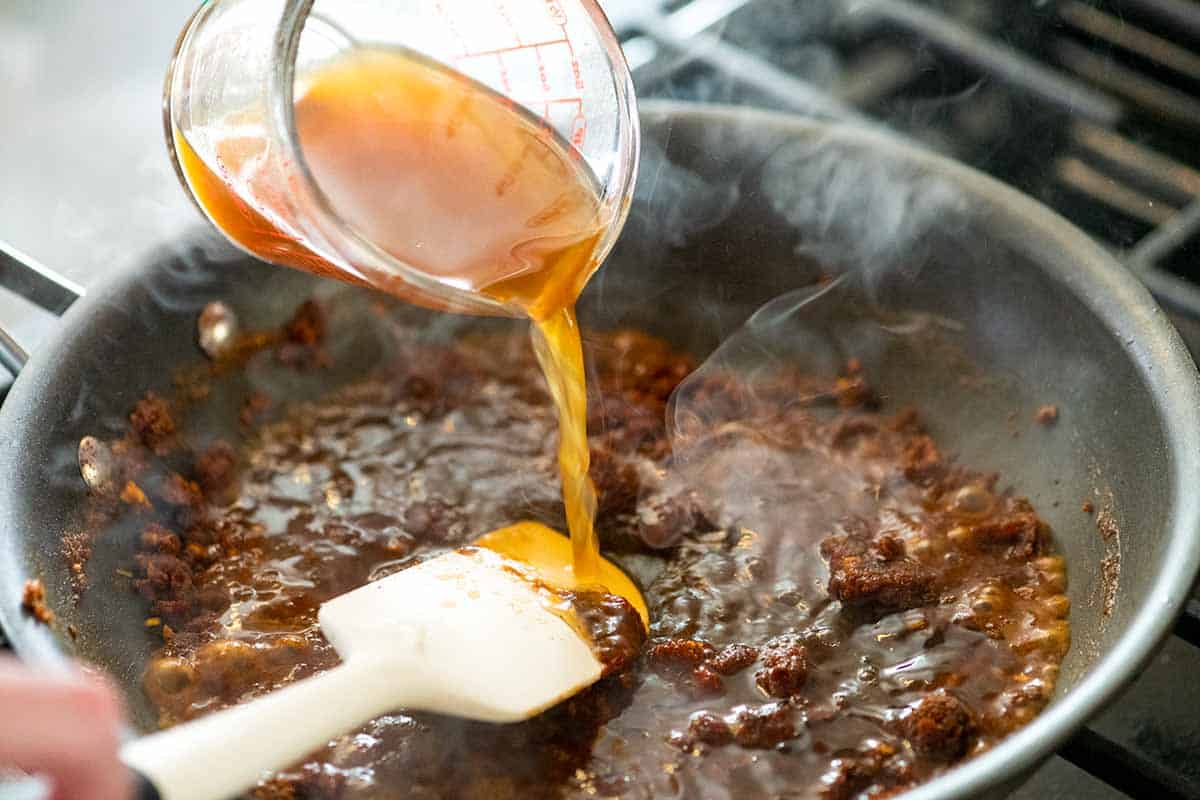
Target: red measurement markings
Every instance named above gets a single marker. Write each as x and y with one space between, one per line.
579 130
503 73
513 49
541 68
576 70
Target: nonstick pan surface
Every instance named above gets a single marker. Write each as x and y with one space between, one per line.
735 207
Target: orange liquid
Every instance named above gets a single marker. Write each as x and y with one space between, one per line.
451 179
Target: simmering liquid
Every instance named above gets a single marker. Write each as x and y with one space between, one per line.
453 180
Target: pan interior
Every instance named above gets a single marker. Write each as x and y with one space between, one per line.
730 214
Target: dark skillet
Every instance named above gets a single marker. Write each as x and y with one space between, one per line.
1045 314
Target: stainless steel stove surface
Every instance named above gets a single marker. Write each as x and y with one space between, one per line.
1091 106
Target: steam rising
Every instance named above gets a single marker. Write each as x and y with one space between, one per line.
869 219
856 211
773 340
727 421
717 417
187 269
680 201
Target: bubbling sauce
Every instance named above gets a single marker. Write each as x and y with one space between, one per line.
902 615
451 179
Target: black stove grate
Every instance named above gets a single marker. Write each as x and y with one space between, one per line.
1092 107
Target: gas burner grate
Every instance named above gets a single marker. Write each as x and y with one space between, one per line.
1092 106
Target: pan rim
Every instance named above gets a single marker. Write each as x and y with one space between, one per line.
1114 295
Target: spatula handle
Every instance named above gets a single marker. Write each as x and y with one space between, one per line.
225 753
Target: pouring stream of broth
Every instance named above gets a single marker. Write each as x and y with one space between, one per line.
450 178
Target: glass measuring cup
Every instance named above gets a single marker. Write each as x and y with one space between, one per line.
240 67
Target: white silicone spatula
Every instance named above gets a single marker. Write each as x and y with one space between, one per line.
458 634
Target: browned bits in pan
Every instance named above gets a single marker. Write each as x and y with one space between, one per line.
733 659
617 482
152 422
1046 415
939 725
852 428
784 667
875 768
307 325
754 727
660 521
675 654
254 407
434 520
1021 527
921 461
33 601
861 574
853 391
179 491
799 642
685 662
216 469
709 728
763 726
303 336
166 582
133 495
613 626
276 789
703 681
76 550
158 539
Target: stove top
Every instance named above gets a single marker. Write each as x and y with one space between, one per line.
1091 107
